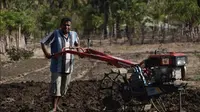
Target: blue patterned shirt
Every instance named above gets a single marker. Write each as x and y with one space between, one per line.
57 40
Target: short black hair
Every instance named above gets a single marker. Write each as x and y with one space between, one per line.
64 20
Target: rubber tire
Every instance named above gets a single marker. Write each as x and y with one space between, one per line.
183 72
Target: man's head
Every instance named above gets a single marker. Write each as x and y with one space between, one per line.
65 25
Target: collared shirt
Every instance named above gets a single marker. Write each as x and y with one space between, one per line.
57 40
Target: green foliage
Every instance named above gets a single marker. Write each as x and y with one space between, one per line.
2 23
37 16
28 22
97 21
13 54
17 54
183 11
26 54
11 19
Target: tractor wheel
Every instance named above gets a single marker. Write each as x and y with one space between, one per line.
183 72
109 94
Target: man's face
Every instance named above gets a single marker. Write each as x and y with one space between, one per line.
66 27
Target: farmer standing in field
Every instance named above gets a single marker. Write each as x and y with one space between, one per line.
61 66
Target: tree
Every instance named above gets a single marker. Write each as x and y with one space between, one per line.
188 14
198 2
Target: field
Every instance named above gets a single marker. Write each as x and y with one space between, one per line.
24 84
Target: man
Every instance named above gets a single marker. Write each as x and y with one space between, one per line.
61 66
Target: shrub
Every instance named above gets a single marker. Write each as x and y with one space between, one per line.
17 54
26 54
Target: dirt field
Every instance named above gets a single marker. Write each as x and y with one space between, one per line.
24 85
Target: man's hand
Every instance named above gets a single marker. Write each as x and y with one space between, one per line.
48 55
80 56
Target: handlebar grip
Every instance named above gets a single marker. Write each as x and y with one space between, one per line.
63 49
52 55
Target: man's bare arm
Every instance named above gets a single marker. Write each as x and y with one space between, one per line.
76 45
46 53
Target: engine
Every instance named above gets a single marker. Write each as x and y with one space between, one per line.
164 68
166 74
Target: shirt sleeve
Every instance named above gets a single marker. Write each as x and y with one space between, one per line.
48 39
76 41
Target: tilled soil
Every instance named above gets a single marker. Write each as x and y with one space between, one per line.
82 96
24 87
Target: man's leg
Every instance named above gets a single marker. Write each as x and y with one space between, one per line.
63 84
55 101
55 90
66 78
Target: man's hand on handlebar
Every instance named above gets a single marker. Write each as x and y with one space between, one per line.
64 50
48 56
80 56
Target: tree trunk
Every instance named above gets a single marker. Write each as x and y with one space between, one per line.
193 34
183 32
7 40
0 66
106 10
51 2
19 35
133 35
60 3
3 4
118 27
198 33
114 34
127 31
153 34
163 34
21 39
102 34
198 2
173 35
143 33
189 34
16 41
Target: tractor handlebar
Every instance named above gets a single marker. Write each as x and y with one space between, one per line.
91 53
70 48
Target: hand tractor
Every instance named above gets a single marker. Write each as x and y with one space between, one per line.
138 85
